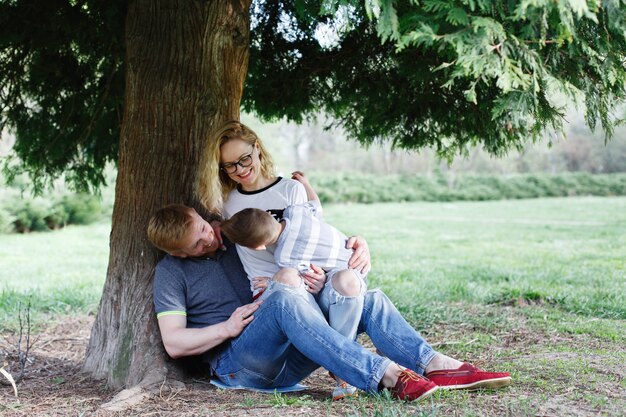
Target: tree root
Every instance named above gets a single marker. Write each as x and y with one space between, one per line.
155 383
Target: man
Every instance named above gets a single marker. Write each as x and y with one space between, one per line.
203 305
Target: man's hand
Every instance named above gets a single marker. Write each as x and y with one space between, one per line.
260 283
360 259
314 279
240 318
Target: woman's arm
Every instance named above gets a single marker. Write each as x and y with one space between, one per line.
182 341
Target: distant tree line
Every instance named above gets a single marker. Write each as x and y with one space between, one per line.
310 147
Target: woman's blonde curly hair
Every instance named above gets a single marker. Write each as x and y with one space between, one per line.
213 183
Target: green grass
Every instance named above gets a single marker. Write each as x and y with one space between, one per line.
565 253
534 287
58 272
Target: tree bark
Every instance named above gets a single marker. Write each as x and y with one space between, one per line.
186 62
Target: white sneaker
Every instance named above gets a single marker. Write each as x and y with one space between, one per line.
344 390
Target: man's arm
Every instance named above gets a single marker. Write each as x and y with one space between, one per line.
180 341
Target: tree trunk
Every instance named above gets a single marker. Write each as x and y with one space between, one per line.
186 62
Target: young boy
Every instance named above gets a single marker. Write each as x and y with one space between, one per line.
298 240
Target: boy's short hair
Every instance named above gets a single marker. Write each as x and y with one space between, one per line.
168 226
250 227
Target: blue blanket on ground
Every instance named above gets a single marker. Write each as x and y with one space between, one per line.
293 388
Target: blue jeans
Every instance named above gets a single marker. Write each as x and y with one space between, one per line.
342 312
289 338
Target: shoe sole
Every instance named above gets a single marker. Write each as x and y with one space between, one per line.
484 384
424 395
341 397
427 394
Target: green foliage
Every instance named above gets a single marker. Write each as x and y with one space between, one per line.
80 208
441 74
54 208
51 211
5 221
30 216
364 188
448 74
61 87
58 216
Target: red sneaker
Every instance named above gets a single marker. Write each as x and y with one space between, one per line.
467 376
411 386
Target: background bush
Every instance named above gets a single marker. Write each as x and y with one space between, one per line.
366 188
80 208
23 214
5 220
53 208
30 215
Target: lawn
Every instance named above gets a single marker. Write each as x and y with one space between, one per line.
60 272
534 287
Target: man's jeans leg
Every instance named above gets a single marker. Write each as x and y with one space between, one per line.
392 335
287 340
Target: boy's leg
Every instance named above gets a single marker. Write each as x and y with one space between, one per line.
341 300
286 276
287 329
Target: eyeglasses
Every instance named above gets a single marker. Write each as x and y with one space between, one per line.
244 161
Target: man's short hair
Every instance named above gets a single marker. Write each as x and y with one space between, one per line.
250 228
168 226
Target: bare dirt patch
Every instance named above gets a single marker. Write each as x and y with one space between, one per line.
555 374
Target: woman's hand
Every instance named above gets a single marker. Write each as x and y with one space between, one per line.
240 318
360 259
314 279
260 283
217 229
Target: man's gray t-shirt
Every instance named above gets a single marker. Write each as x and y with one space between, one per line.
205 290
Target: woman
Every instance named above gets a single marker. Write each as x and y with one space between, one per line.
238 174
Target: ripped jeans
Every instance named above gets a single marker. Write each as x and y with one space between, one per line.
342 312
289 338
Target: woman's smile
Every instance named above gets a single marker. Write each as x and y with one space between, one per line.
246 174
